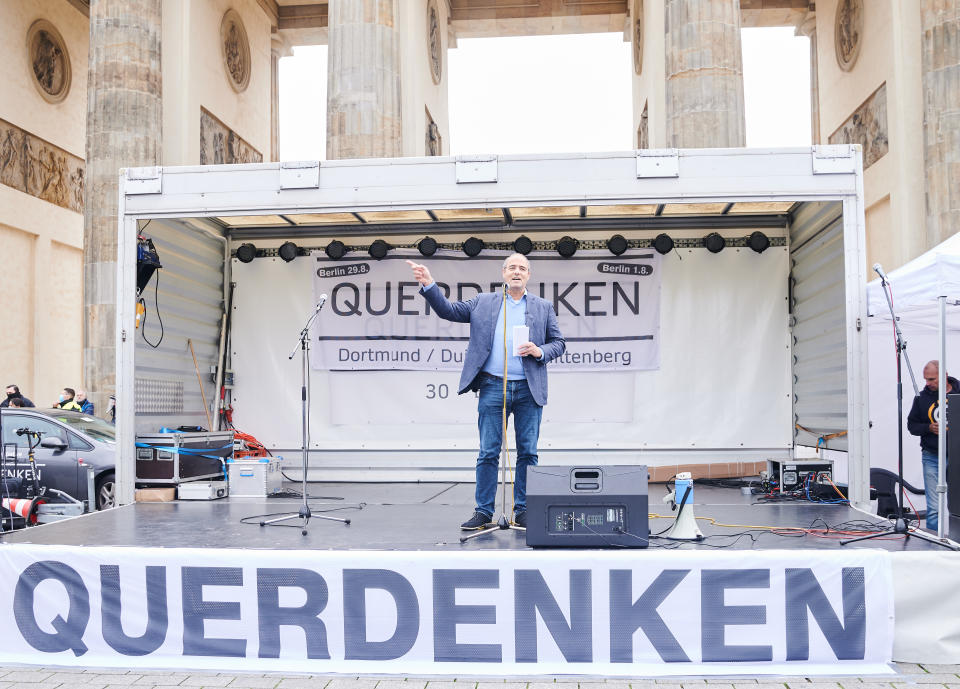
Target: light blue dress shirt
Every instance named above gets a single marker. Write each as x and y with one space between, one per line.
516 315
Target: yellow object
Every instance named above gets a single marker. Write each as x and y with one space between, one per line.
141 310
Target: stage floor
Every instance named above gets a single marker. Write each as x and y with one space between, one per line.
426 516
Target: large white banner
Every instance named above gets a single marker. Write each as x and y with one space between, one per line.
608 308
464 613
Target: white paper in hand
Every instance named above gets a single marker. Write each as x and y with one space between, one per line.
521 335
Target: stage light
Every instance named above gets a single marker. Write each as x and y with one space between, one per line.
714 243
759 242
663 243
427 246
336 249
567 246
246 253
473 246
617 244
288 251
523 245
378 249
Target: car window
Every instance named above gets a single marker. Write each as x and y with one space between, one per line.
14 422
91 426
77 443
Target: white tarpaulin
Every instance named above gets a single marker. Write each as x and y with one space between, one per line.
608 309
916 286
468 613
722 391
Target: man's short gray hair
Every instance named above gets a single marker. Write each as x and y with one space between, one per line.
516 253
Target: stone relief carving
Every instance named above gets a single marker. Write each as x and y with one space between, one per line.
434 42
236 50
49 61
848 32
434 143
637 17
221 145
643 132
867 126
37 167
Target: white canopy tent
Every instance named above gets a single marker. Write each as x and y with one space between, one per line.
917 290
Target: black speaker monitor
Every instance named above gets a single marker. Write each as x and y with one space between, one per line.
587 507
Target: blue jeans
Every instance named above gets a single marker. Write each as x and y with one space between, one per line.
930 478
526 422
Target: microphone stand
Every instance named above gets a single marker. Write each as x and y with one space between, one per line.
899 525
502 522
304 513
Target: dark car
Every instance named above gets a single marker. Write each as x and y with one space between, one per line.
70 443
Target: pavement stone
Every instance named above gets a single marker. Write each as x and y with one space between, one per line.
168 680
115 678
402 684
759 685
207 680
82 685
27 676
110 671
650 684
813 685
550 685
867 685
444 684
80 678
905 668
305 682
612 684
255 682
924 678
487 684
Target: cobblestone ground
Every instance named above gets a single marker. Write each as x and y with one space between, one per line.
923 676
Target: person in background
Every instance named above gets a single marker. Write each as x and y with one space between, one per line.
86 406
924 420
68 400
112 409
17 403
13 392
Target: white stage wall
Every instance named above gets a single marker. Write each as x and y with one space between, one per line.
722 389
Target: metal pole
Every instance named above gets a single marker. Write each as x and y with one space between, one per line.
943 517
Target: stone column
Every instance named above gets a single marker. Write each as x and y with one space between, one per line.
363 80
808 28
704 74
940 46
123 130
278 49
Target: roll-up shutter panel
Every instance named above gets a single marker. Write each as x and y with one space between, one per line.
817 298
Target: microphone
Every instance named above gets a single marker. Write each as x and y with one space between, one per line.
323 300
878 269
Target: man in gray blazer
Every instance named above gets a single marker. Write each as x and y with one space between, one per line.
483 370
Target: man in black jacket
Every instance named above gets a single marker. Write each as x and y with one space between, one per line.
13 392
924 420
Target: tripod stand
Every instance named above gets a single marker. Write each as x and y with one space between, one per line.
304 513
502 523
900 524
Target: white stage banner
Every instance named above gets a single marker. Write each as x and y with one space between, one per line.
617 613
608 308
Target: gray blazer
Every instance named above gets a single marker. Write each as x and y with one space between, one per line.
481 313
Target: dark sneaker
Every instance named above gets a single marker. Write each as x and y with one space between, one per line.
520 519
477 521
